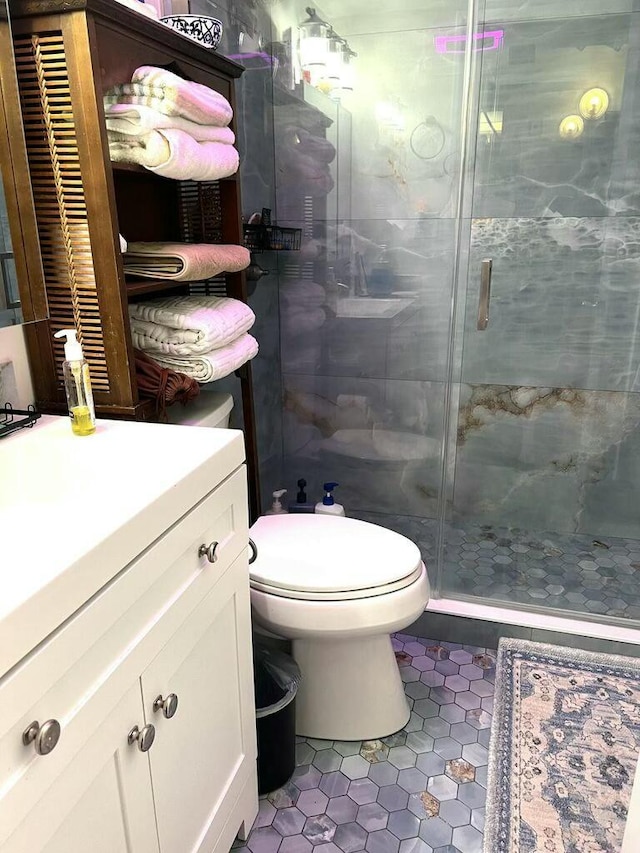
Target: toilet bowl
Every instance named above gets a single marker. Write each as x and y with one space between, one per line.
337 588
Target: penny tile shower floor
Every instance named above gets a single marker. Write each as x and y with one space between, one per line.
421 790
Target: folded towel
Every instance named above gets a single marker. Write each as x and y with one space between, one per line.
184 261
174 154
133 120
213 365
169 94
188 325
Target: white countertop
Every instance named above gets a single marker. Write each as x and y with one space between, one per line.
76 510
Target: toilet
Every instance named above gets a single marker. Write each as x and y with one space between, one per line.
209 409
338 588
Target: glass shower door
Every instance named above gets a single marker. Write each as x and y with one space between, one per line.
543 464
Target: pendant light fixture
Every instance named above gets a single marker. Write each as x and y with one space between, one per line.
314 46
325 58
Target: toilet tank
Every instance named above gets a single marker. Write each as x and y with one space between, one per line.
209 409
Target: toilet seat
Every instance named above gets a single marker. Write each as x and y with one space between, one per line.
338 595
326 558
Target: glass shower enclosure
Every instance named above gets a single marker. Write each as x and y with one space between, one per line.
462 351
541 487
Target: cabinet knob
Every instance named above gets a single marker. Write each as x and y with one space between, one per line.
44 737
168 706
209 551
143 737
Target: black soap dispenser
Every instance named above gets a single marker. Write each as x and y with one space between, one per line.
302 502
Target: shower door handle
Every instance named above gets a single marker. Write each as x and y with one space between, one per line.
485 294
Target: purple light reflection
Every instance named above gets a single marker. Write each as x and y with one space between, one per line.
492 40
238 57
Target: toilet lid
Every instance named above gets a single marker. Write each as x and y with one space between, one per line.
324 554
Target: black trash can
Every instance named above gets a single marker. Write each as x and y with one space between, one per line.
277 677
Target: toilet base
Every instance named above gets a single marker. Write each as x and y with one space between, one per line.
351 689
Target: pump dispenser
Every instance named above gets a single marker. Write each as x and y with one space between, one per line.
328 506
77 384
302 501
277 508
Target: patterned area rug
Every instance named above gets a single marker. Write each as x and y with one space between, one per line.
564 747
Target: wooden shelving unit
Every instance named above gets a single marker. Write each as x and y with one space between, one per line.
68 53
140 287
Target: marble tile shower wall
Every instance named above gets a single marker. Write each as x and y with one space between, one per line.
549 411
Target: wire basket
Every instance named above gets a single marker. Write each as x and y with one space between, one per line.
266 238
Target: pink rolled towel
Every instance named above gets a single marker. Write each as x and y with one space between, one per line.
174 154
184 261
138 120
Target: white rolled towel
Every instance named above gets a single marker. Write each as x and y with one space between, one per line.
174 154
210 366
188 325
138 120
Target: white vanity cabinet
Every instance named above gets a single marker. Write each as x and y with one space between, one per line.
149 677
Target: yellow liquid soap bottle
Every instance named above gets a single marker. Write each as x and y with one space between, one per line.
77 384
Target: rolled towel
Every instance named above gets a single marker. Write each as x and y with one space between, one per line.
132 120
188 325
184 261
213 365
169 94
174 154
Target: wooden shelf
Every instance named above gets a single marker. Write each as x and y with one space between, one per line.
89 46
146 30
138 287
140 170
130 167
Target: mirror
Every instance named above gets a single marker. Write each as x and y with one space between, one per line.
22 295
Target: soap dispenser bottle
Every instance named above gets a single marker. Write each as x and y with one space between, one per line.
276 507
77 384
302 502
328 506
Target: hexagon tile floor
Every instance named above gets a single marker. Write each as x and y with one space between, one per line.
421 790
591 575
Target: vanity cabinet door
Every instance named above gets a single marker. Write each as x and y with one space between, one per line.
205 752
101 799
